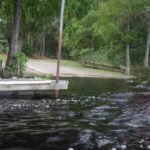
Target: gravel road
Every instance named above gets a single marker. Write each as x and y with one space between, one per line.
45 66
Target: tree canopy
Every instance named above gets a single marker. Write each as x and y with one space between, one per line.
95 30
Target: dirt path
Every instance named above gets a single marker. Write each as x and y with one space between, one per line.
46 67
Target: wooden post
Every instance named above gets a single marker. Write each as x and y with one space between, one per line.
59 47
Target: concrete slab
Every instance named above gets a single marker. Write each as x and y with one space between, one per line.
32 85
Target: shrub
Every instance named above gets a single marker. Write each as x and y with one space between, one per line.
27 49
17 67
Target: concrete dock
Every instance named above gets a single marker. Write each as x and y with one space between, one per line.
32 85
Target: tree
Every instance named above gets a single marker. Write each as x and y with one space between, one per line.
146 59
108 31
115 27
39 23
78 36
122 25
37 17
14 41
128 68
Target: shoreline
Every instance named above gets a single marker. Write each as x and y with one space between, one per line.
30 72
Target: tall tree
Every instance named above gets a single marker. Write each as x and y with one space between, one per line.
146 59
128 72
14 41
38 20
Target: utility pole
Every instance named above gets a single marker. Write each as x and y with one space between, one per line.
59 47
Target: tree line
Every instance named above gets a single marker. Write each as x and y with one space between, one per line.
108 31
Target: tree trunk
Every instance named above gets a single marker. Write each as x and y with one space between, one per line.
28 38
43 44
146 59
14 43
128 59
128 72
21 42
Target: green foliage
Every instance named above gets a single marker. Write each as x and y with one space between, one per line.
27 49
9 71
101 33
102 56
20 60
46 77
78 35
3 57
17 67
93 29
142 72
37 18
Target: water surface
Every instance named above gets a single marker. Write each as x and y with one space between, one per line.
93 114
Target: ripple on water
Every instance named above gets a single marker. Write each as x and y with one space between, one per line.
111 120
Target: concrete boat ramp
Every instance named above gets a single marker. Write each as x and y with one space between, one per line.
28 87
32 85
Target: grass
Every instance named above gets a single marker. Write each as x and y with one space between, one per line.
3 57
71 63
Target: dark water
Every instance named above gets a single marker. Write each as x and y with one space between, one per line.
94 114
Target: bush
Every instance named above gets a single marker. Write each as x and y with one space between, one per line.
102 56
27 49
17 67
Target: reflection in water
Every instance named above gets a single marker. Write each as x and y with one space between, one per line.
99 114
